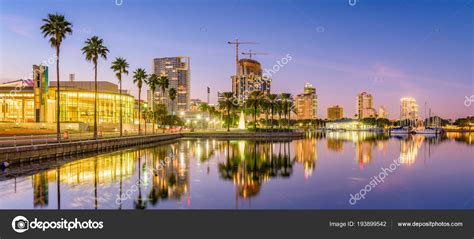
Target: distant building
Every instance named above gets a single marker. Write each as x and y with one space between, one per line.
365 107
194 104
335 112
177 69
408 108
382 113
249 79
306 103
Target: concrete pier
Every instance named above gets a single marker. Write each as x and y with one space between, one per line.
29 153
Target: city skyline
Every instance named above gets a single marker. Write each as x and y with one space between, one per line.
431 58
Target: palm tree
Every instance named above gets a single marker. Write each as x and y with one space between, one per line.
120 66
152 81
272 101
172 95
56 27
93 49
286 99
163 83
160 114
228 103
255 101
139 76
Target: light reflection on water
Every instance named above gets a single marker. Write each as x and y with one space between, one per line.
318 172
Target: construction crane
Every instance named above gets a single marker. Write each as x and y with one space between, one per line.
237 43
250 53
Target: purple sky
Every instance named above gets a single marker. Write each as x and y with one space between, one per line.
390 49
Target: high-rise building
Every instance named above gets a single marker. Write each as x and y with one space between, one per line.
306 103
335 112
365 107
408 108
249 79
382 112
177 69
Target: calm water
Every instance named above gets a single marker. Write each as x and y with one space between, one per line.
318 172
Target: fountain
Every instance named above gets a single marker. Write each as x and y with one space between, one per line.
242 120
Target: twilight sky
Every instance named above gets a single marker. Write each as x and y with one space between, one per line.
389 48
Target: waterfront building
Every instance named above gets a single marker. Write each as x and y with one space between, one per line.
335 112
365 107
177 69
408 108
249 79
34 101
382 113
306 103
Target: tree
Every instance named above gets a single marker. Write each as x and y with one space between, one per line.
254 101
272 100
56 28
93 49
120 66
139 76
152 82
287 101
160 114
163 83
228 103
172 95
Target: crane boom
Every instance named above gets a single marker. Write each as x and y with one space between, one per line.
237 43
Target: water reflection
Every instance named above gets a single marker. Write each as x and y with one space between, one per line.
163 176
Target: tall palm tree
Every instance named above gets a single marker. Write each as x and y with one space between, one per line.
272 102
93 49
152 82
120 66
163 83
172 95
255 101
139 76
228 103
56 28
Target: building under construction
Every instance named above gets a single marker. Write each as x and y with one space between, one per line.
249 78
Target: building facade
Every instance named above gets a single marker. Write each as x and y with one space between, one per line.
306 103
177 69
408 108
335 112
34 101
249 79
382 112
365 106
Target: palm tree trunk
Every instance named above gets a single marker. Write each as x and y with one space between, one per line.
139 110
228 120
272 117
95 100
58 110
153 108
172 113
120 95
255 117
